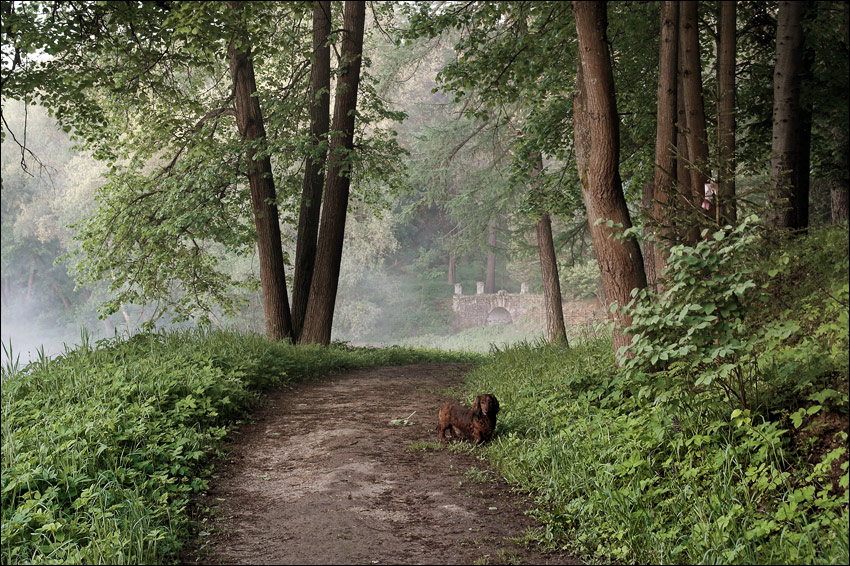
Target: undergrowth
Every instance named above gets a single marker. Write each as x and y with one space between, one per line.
723 439
102 446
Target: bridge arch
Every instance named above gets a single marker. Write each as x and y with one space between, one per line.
499 315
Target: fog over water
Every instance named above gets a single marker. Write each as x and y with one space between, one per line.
29 328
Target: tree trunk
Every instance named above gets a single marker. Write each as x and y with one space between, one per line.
649 249
664 190
620 260
30 279
452 277
694 108
786 115
311 191
490 276
555 329
839 198
62 296
249 120
687 232
726 209
802 182
318 320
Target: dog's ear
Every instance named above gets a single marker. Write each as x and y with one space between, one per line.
476 407
495 404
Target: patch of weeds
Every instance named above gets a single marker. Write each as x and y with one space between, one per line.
509 556
462 447
403 422
425 446
477 475
530 537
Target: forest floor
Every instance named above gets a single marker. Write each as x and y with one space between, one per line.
322 476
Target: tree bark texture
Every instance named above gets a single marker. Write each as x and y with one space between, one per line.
490 275
802 182
318 320
726 209
786 115
685 208
694 107
249 120
314 179
555 329
839 198
664 190
620 260
649 249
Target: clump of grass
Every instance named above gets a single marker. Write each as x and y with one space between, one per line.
103 445
424 446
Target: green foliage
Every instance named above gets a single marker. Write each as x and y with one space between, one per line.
714 329
644 465
102 447
695 329
147 88
581 280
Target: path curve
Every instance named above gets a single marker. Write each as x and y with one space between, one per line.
321 476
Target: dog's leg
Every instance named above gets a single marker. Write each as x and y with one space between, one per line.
457 433
443 430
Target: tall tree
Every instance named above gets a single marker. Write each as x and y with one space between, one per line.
552 300
555 329
249 120
787 116
665 135
620 259
693 98
726 208
311 192
683 173
323 287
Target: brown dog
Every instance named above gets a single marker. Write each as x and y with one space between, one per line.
476 424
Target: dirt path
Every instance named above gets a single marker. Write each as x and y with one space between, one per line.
322 477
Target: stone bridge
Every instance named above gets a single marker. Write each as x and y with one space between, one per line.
483 309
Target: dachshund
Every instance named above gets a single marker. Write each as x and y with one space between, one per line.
476 424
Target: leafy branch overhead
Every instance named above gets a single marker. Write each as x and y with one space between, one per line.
147 88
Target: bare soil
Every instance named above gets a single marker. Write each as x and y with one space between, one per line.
321 476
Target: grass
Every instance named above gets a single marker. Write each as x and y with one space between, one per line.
480 340
615 482
103 445
653 469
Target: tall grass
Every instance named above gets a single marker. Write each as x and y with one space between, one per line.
103 445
